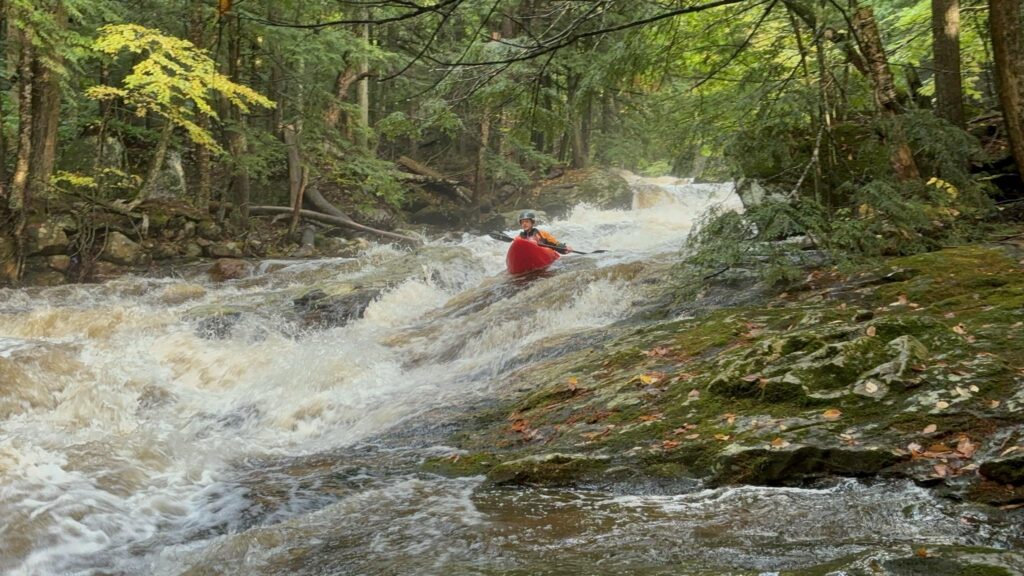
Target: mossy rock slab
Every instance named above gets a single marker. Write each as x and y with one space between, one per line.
1005 470
555 469
800 465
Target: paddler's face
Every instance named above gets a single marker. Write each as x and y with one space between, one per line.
526 223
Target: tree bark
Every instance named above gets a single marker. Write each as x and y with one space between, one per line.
363 132
480 178
886 97
237 142
19 199
1005 27
946 54
204 187
157 163
45 112
329 219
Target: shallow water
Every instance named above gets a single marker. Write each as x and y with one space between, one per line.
133 440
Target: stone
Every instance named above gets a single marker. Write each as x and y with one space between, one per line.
224 250
120 249
209 230
179 293
229 269
171 182
1008 470
165 251
45 239
555 469
192 250
59 262
800 465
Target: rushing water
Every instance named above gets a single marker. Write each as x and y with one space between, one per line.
135 441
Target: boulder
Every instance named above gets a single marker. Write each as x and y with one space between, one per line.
120 249
1004 470
800 465
59 262
548 470
45 239
171 182
600 188
229 269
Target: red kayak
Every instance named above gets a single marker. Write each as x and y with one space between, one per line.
526 256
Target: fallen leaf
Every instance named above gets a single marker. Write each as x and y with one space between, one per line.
965 447
722 437
871 331
914 448
929 429
900 301
974 388
520 425
694 394
949 315
960 329
993 403
669 444
1011 450
942 405
454 457
921 552
692 436
652 377
656 352
831 414
729 418
751 378
938 448
941 470
779 443
572 383
871 387
650 417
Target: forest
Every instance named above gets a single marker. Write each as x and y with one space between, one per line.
889 127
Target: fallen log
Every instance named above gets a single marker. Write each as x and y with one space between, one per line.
337 221
434 179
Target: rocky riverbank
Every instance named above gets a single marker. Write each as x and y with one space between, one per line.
913 368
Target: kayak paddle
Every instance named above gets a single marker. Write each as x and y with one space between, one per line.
506 238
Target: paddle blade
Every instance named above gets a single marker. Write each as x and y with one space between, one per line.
500 236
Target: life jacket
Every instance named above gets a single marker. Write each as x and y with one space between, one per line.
535 235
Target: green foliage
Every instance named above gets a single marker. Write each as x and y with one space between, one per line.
174 79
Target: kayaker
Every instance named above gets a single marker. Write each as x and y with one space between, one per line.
528 221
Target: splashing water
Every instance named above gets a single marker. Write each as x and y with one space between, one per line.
131 441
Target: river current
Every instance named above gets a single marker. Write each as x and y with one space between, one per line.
133 440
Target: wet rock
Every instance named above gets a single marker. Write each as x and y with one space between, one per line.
1004 470
548 470
601 188
800 465
229 269
328 310
171 182
120 249
45 239
179 293
939 566
102 270
215 322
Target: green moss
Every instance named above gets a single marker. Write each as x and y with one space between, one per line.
463 465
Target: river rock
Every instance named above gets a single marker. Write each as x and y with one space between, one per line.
548 470
59 262
602 188
1004 470
229 269
120 249
192 249
800 465
45 239
209 230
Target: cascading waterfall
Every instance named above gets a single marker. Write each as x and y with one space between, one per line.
134 440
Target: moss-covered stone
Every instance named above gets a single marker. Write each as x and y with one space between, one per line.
1004 470
800 465
554 469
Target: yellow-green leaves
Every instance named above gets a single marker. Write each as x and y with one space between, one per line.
175 80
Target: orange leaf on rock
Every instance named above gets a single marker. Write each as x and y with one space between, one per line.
779 443
722 437
929 429
965 447
650 417
960 329
871 331
692 436
831 414
669 444
729 418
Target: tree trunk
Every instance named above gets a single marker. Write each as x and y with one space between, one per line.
45 113
19 199
363 132
1004 24
480 179
237 142
157 163
946 53
204 187
886 97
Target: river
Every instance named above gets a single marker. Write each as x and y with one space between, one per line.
136 440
